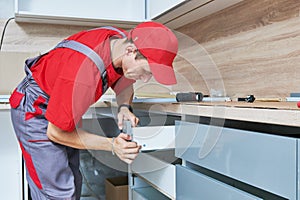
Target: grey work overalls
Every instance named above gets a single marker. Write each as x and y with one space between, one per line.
52 169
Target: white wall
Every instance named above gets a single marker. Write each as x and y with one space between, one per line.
6 9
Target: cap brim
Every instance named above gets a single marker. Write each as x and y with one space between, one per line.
162 73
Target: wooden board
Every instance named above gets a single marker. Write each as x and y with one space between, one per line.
245 16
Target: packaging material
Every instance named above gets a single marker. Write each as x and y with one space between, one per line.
116 188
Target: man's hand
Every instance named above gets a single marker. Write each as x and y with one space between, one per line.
127 151
125 114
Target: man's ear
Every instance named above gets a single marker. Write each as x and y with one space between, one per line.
130 49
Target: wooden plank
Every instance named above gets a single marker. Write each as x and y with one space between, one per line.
244 16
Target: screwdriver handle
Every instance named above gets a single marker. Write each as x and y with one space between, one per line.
127 128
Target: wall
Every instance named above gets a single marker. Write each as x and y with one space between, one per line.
255 46
250 48
7 9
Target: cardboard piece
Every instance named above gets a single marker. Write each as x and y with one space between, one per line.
116 188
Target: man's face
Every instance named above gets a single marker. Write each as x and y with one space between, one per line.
136 69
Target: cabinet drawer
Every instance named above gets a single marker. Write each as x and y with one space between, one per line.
264 161
194 185
147 193
157 173
154 137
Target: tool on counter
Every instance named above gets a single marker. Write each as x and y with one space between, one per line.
189 96
127 128
293 97
249 98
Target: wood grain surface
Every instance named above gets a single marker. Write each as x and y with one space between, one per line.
244 16
252 47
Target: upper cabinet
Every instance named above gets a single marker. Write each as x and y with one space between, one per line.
77 12
126 14
157 8
190 10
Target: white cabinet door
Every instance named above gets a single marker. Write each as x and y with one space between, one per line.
11 161
157 7
77 11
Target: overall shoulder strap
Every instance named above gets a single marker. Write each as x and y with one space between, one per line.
90 53
111 28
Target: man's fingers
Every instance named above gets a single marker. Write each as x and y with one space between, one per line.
128 158
125 136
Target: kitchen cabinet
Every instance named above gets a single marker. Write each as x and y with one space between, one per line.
194 185
152 174
75 12
125 14
265 161
154 169
190 10
228 155
228 151
11 185
156 8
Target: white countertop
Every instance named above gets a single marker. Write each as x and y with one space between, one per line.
5 106
4 102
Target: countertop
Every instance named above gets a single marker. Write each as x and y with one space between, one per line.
279 113
4 102
4 106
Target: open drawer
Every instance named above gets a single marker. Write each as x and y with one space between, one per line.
157 173
153 164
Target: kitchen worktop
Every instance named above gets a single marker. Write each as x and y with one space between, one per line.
4 102
279 113
4 106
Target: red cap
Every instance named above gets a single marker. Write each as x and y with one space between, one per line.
159 45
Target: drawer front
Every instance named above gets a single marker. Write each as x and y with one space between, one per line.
154 137
137 196
157 173
264 161
192 185
147 193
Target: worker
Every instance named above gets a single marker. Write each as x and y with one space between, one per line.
60 86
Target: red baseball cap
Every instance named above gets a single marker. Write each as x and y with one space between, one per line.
159 45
